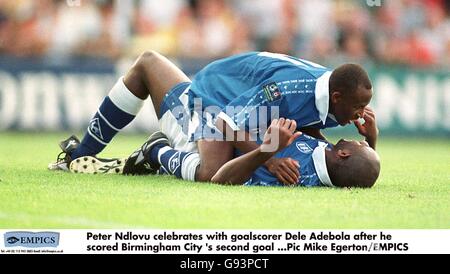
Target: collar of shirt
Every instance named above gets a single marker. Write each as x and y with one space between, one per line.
322 95
320 164
332 117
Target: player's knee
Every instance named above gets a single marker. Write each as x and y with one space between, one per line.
146 63
147 58
204 176
143 64
205 173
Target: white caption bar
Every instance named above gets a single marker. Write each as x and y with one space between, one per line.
156 241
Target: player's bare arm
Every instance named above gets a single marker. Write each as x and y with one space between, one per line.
285 169
369 129
279 135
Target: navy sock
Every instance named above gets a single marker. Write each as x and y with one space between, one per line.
154 152
105 124
117 110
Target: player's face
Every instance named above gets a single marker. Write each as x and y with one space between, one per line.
351 144
350 107
356 148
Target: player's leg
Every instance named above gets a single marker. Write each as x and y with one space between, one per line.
116 111
183 160
151 74
157 154
213 155
171 151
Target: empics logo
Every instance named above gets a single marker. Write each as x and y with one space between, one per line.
12 240
31 239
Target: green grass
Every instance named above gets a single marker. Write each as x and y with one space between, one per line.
412 192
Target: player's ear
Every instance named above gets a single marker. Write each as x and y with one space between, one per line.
336 96
343 153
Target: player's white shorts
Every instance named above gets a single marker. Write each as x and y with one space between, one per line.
172 122
182 125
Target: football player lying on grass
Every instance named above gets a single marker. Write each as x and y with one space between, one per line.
212 112
346 164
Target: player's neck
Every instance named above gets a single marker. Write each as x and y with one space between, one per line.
332 163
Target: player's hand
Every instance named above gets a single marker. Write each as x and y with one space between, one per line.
285 169
369 129
279 135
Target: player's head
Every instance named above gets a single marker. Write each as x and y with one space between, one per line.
353 164
350 92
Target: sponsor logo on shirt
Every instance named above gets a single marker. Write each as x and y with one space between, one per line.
272 92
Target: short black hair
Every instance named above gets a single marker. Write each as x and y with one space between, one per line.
356 171
348 78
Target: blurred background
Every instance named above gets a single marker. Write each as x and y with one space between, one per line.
59 58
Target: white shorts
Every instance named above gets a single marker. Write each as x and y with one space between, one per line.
175 130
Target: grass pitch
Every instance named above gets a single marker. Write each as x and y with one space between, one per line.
413 191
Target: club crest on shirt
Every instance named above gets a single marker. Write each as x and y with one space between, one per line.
303 147
272 92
